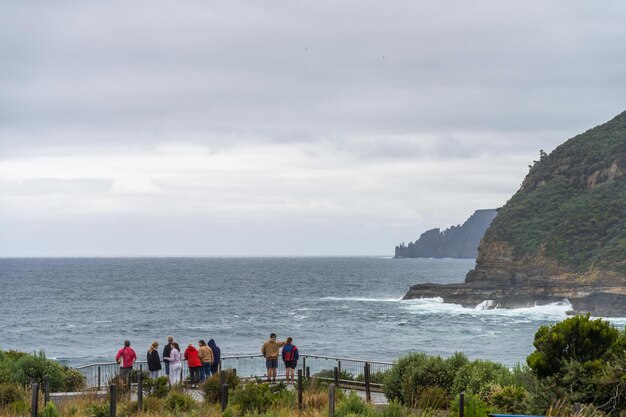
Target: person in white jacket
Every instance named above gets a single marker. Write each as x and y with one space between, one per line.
175 364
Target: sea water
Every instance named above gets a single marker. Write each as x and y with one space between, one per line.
81 310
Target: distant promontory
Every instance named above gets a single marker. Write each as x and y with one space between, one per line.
454 242
561 236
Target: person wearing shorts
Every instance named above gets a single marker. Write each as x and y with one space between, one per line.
270 350
290 357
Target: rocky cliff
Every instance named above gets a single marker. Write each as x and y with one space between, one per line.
562 235
454 242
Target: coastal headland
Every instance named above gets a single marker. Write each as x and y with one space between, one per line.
561 236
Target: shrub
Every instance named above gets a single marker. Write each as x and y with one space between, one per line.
36 366
97 410
229 412
19 407
50 410
10 393
508 399
179 402
353 405
74 379
477 376
252 398
577 338
395 378
153 404
212 388
157 387
433 398
473 406
343 375
395 409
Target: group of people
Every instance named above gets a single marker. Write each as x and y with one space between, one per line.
202 361
290 356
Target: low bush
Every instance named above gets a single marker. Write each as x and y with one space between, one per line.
50 410
156 387
509 399
179 402
433 398
395 409
97 410
476 377
10 393
252 398
74 379
353 405
212 388
473 406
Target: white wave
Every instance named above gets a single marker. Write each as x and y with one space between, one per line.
363 299
104 321
485 305
554 311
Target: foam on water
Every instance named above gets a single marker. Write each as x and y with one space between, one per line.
363 299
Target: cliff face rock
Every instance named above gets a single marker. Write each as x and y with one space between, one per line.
561 236
455 242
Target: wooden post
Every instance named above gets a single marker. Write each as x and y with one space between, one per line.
235 372
222 383
300 389
368 392
140 392
224 396
462 404
331 400
99 377
303 362
34 401
112 400
308 373
46 389
336 376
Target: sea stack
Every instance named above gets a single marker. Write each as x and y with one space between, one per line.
561 236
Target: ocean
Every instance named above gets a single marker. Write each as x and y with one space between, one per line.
81 310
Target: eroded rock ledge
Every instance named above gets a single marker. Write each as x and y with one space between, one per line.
608 301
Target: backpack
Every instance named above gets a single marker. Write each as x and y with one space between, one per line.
291 354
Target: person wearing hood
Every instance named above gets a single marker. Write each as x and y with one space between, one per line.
194 363
206 357
216 356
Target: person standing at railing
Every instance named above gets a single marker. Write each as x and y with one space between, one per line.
166 354
194 364
154 362
270 351
126 357
217 355
290 357
206 357
175 363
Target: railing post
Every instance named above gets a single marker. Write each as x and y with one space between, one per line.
140 392
46 389
368 392
339 368
331 400
308 373
336 376
224 396
235 372
34 401
300 389
99 377
303 362
112 400
222 383
462 404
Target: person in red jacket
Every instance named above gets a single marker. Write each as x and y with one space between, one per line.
126 357
194 363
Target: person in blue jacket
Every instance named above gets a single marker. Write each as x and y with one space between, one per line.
216 356
290 357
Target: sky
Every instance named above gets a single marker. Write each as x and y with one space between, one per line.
292 128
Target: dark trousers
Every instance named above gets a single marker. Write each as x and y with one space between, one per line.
167 367
194 373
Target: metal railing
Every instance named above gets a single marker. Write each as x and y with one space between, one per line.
348 371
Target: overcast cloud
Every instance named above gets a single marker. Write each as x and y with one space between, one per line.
284 128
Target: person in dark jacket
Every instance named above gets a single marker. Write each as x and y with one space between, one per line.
216 356
166 354
290 357
154 362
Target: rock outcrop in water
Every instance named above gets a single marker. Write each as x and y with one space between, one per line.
454 242
561 236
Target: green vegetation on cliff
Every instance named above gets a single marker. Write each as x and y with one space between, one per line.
571 207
